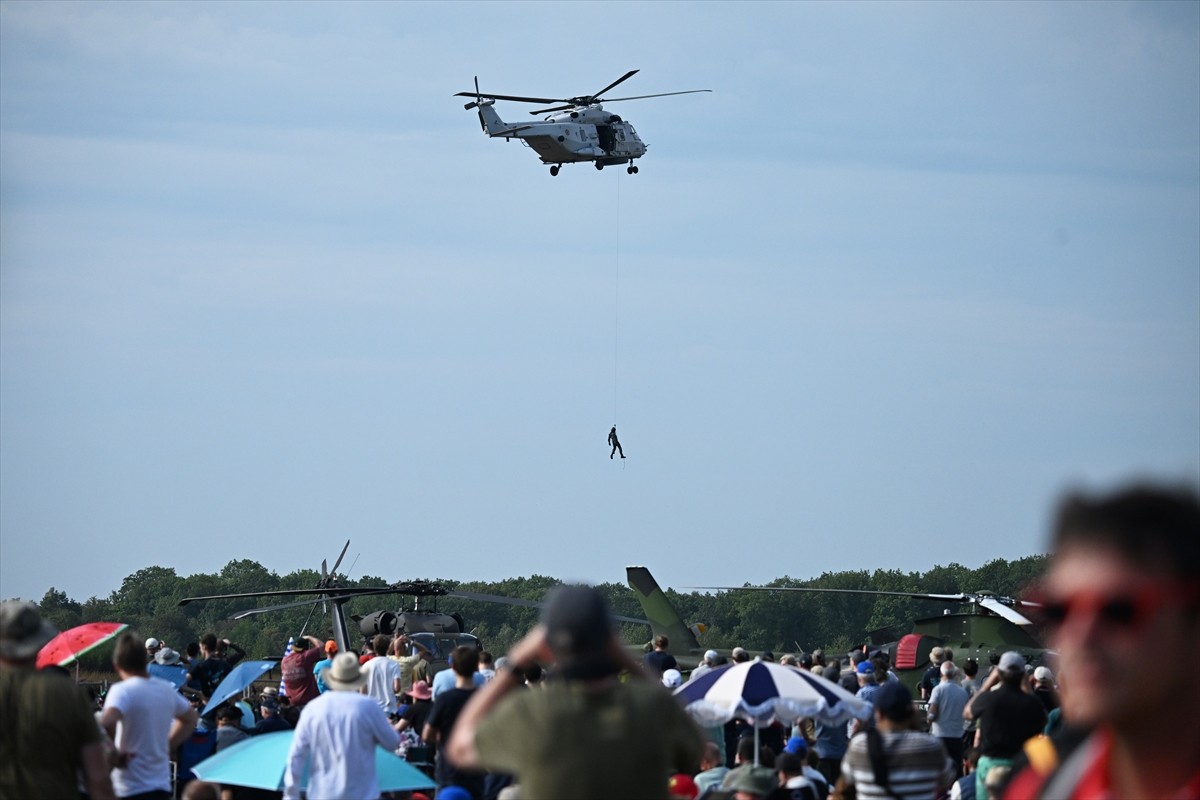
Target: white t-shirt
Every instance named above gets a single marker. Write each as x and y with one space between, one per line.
382 674
148 706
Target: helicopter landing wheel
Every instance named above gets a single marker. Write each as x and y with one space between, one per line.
599 166
554 170
631 170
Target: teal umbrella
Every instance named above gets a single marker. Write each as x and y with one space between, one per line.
260 762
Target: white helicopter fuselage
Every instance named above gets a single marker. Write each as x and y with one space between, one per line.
582 134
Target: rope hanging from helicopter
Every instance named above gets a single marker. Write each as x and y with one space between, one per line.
617 311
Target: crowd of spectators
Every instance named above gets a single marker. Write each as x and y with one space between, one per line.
569 714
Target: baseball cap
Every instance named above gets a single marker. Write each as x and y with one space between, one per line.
796 745
576 619
331 647
152 643
893 700
865 668
1012 662
672 679
1043 674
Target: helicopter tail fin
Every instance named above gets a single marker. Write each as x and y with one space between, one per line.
489 120
664 619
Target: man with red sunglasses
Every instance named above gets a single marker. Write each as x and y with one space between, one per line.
1124 582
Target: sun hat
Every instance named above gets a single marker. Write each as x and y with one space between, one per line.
166 656
421 690
937 655
23 632
345 674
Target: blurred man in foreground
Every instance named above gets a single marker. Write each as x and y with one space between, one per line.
585 734
49 734
1124 583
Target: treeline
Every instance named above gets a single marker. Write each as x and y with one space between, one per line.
148 601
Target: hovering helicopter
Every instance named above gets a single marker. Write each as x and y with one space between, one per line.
989 626
580 130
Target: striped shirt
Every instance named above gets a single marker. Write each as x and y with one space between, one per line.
917 766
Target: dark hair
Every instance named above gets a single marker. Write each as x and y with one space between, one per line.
209 641
130 653
661 641
485 657
464 659
192 649
299 643
1154 527
789 764
381 643
971 667
745 751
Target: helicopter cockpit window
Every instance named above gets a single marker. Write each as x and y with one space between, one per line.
429 641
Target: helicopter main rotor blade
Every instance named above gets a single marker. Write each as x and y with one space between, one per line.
513 98
520 601
619 80
1000 609
541 111
333 593
338 563
958 598
644 96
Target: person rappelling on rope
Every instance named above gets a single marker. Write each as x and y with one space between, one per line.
615 442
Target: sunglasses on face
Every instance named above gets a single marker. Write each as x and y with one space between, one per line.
1126 611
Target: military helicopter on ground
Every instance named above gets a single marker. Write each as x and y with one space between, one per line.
580 130
987 627
438 632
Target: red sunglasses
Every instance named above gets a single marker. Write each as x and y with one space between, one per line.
1118 610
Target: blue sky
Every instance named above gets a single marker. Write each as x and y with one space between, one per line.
906 274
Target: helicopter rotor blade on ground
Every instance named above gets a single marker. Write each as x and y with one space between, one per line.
996 607
958 598
520 601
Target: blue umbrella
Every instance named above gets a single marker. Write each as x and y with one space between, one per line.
238 679
763 691
260 762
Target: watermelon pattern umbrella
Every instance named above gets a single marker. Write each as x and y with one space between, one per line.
70 644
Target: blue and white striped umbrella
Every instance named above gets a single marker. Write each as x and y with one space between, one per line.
763 691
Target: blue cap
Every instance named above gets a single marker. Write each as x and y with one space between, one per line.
865 668
797 745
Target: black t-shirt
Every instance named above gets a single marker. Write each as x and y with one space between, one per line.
1007 717
209 674
417 714
931 678
446 708
660 661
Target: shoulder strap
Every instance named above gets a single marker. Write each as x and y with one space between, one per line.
878 759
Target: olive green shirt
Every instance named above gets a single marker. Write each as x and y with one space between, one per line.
571 739
45 723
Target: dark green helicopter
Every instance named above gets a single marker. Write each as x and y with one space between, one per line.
438 632
983 627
